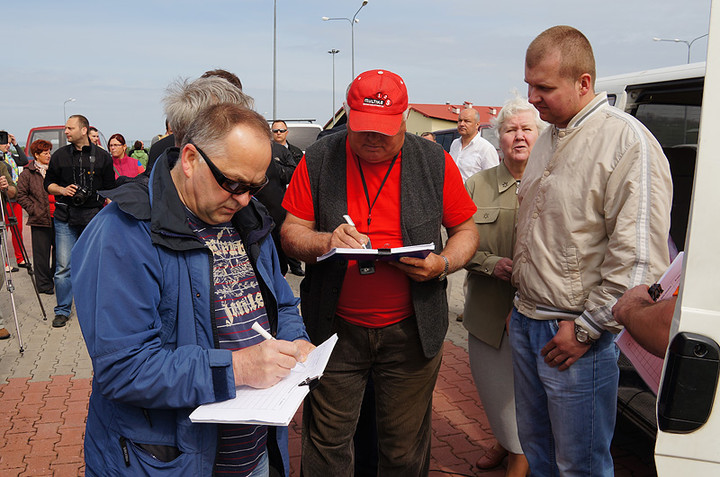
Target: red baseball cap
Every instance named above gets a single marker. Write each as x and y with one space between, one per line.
377 100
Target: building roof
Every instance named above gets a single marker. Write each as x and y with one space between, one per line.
450 112
447 112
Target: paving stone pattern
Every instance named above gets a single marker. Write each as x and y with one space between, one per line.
44 395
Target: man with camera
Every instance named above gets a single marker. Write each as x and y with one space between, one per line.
75 173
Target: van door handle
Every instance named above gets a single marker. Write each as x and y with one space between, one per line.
688 389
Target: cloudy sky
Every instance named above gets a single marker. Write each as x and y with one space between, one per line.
116 58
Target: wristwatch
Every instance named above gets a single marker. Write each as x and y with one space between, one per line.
444 273
582 335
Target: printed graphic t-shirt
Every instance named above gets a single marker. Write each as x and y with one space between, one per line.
237 304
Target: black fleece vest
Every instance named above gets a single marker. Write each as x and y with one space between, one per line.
421 205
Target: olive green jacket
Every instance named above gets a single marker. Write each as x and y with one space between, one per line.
488 300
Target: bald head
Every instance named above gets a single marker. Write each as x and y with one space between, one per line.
468 122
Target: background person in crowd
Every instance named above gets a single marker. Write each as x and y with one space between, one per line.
232 78
472 153
177 125
40 207
177 333
593 221
94 136
489 294
429 136
271 196
8 188
280 134
139 153
13 162
287 158
391 323
123 165
158 147
168 131
75 175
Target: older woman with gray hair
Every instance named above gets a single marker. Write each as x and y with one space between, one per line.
489 295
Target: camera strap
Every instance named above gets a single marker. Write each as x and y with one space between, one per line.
80 178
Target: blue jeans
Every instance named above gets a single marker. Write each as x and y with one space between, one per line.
566 419
263 467
65 238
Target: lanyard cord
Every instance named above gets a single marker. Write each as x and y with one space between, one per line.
367 196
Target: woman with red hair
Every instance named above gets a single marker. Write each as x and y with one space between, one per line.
40 207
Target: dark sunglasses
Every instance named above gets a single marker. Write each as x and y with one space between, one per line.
279 130
234 187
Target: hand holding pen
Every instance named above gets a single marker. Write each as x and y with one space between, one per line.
266 363
363 240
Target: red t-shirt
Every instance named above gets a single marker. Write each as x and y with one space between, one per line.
382 298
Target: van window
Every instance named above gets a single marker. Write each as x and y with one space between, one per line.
671 124
489 134
670 110
612 98
302 135
51 135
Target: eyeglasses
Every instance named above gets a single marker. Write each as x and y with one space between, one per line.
116 145
279 130
234 187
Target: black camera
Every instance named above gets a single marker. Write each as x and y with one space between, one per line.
4 137
82 194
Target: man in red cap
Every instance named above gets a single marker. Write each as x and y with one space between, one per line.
391 317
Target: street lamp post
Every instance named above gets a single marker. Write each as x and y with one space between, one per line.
69 100
687 43
274 116
352 22
333 52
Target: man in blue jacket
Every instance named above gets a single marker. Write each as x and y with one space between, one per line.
193 266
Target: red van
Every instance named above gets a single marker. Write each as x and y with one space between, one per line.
56 136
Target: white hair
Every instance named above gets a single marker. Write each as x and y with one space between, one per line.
516 104
185 99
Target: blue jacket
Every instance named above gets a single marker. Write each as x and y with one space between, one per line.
143 294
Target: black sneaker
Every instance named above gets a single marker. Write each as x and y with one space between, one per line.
60 321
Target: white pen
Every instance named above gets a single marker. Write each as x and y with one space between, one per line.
349 220
256 326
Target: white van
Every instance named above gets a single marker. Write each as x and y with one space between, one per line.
302 134
668 101
681 106
688 407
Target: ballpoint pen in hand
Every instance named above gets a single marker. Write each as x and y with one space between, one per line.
349 220
256 326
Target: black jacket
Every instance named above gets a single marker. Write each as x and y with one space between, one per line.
296 153
70 166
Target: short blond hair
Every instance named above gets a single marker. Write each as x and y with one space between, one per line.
576 54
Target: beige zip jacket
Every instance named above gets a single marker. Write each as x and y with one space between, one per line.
594 218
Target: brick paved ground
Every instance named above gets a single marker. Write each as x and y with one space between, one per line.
44 394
